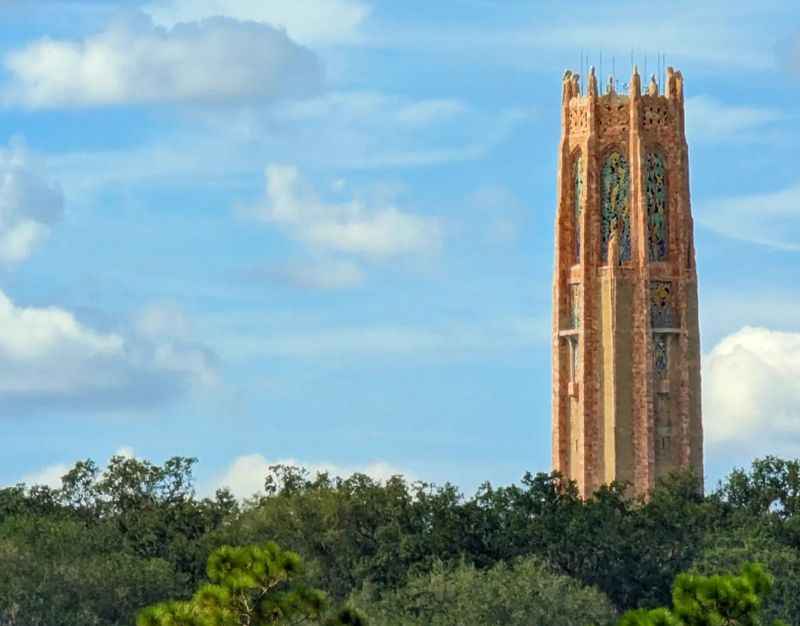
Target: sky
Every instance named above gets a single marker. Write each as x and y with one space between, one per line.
320 232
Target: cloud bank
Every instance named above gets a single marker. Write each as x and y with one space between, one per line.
751 396
132 61
51 361
245 476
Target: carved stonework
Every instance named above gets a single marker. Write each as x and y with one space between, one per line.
655 114
626 344
613 112
578 118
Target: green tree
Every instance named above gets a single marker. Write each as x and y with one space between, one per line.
722 600
256 585
526 592
729 552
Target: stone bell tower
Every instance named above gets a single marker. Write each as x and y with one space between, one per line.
626 344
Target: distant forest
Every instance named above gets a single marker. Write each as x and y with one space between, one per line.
108 543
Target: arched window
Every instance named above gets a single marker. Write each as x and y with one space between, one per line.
655 186
615 183
577 201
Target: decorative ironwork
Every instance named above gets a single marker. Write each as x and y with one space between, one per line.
615 211
662 311
656 193
578 206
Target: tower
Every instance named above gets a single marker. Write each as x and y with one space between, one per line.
626 344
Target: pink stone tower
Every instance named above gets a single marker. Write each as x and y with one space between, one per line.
626 342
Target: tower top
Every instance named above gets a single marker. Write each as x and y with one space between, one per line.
671 90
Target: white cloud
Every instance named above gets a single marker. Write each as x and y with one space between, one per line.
49 476
245 476
29 204
49 360
132 61
307 21
751 396
710 119
771 219
348 227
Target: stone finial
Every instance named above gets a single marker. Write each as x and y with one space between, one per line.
592 87
576 84
636 83
652 88
610 88
679 84
566 87
671 91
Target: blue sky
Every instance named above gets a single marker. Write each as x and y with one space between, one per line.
321 231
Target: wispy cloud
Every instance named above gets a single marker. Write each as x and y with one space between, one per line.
445 340
132 61
341 130
328 275
706 33
348 227
771 219
315 22
29 204
708 119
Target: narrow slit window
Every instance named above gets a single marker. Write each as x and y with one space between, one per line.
577 206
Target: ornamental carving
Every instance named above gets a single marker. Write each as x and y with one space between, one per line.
655 115
612 113
578 118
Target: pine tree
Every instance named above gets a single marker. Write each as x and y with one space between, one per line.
257 585
725 600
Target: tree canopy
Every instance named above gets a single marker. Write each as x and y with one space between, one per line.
111 541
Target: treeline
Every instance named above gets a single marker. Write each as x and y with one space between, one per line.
106 544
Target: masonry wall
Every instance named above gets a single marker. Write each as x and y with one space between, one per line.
626 375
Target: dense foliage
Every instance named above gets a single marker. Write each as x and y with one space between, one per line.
520 594
108 543
720 600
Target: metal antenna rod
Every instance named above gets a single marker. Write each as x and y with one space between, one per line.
614 71
600 77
